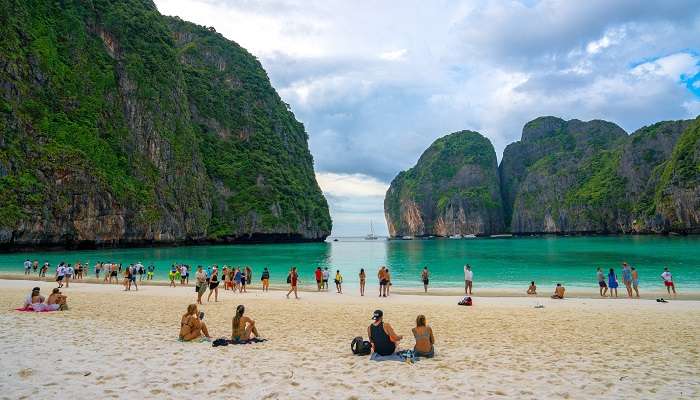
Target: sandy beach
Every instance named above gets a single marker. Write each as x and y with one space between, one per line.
115 344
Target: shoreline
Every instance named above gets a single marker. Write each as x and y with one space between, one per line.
370 290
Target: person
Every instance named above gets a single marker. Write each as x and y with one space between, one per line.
425 277
319 278
171 276
293 278
425 340
185 275
44 269
602 286
532 289
326 276
468 279
60 274
381 275
132 277
27 267
140 270
338 282
127 278
363 278
635 281
226 276
668 281
244 281
612 282
265 278
98 268
191 325
237 280
381 335
248 275
242 328
35 266
201 284
627 278
35 301
68 274
387 287
150 271
57 301
214 285
559 292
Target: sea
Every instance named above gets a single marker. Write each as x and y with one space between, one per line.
496 262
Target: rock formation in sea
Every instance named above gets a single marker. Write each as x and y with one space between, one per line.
453 189
573 177
120 126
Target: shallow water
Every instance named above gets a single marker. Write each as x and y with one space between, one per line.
496 263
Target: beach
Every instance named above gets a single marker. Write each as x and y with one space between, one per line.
116 344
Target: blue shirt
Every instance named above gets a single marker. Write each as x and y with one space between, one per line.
626 274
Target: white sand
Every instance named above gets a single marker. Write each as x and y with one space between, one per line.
123 345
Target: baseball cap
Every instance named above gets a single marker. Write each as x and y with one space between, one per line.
377 314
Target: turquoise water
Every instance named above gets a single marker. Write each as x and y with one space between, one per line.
496 263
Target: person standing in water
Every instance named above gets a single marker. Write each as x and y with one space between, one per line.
627 278
602 286
326 275
468 279
293 278
363 278
425 277
668 281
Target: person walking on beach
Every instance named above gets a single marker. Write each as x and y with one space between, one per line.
602 286
468 279
265 278
387 287
627 278
237 280
214 285
244 280
200 284
113 273
318 274
612 282
326 277
44 270
425 277
363 279
149 272
668 281
27 267
635 281
171 276
60 274
292 279
338 282
248 275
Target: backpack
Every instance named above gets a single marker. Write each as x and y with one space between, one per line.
289 278
466 301
360 347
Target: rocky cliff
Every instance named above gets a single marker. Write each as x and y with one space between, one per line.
568 177
453 189
121 126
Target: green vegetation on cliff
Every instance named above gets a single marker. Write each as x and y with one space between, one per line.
120 125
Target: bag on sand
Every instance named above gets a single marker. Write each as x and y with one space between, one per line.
360 347
466 301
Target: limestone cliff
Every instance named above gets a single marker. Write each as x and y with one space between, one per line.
453 189
120 126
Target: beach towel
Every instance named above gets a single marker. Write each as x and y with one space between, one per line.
29 309
199 340
402 356
249 341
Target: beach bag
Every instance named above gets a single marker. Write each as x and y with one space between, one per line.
466 301
220 342
360 347
408 356
289 278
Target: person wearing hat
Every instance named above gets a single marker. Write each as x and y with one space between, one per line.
35 301
382 336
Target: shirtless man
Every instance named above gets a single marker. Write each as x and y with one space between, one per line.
57 301
559 292
381 275
191 326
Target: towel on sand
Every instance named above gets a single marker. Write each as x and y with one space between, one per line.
29 309
226 342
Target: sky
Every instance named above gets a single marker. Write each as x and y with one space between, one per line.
376 82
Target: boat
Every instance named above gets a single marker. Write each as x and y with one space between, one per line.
456 237
506 235
469 236
371 235
454 229
407 237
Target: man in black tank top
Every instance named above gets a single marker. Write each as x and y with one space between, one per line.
382 335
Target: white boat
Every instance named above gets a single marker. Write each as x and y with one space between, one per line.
456 237
469 236
371 235
407 237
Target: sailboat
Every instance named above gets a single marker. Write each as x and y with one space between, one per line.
371 235
454 229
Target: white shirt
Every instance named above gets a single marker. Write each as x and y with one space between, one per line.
325 275
468 274
667 276
68 271
27 264
61 270
183 271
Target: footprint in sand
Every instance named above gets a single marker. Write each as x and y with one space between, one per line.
25 373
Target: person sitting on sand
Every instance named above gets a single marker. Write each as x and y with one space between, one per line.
57 301
424 338
242 328
191 327
382 336
559 292
532 289
35 301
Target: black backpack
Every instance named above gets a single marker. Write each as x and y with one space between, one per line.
360 347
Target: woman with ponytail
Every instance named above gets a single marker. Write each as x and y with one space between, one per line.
243 328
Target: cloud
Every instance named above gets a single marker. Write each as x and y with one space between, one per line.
376 82
356 185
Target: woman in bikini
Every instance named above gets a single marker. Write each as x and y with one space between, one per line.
363 278
242 328
424 338
214 285
191 327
